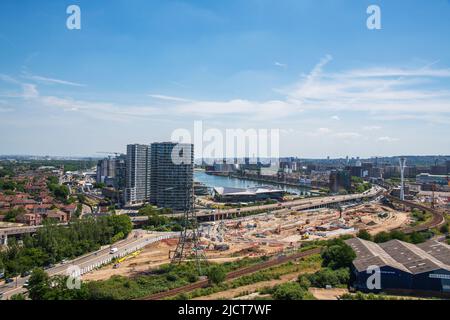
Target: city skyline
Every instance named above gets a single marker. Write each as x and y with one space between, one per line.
136 72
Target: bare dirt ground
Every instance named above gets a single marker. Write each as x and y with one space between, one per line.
261 235
327 294
393 221
151 256
155 255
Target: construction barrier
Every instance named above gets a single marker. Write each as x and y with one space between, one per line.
124 253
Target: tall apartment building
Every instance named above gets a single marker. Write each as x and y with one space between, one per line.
105 170
137 181
171 183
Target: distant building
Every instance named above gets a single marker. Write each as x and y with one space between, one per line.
391 172
439 169
403 267
246 195
355 171
137 182
120 178
339 179
105 170
426 178
171 183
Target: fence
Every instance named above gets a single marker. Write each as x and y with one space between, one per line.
109 259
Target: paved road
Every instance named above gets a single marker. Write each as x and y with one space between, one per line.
137 239
301 204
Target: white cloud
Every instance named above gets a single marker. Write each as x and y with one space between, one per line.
281 65
387 139
168 98
373 90
372 128
51 80
29 91
389 93
347 135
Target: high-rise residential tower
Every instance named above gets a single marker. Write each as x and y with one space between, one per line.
172 174
105 170
137 182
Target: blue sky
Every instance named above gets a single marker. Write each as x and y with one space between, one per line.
139 69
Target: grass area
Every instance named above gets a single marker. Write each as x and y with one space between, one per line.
162 279
372 296
308 264
420 217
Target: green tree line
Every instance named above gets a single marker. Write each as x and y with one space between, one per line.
53 243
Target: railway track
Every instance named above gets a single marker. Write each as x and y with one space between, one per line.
234 274
437 216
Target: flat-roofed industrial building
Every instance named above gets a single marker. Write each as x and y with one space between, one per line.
403 266
226 194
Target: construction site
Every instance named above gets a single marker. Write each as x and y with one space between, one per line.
261 235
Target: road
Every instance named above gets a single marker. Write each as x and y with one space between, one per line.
297 204
301 204
137 239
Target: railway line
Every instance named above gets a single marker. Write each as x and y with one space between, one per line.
234 274
437 217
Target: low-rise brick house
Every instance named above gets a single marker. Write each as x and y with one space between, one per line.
58 215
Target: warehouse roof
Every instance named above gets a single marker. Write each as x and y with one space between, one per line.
439 250
369 254
401 255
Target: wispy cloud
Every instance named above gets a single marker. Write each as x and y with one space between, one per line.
168 98
51 80
371 128
387 139
281 65
347 135
382 90
382 93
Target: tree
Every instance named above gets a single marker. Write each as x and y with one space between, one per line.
38 284
291 291
382 237
99 185
18 296
303 281
327 276
120 224
363 234
13 214
216 274
444 228
395 234
338 256
417 237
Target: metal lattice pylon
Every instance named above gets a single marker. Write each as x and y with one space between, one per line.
188 247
